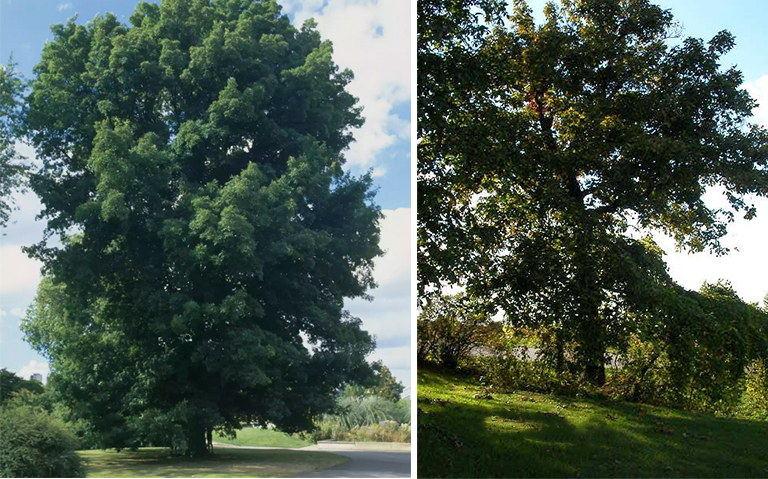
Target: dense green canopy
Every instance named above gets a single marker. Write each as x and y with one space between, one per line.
192 162
544 149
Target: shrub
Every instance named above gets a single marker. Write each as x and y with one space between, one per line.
754 401
448 329
384 431
507 373
34 444
358 413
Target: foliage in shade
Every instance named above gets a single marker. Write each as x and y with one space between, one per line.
555 142
197 155
34 444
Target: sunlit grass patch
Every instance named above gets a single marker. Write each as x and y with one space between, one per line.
467 431
252 436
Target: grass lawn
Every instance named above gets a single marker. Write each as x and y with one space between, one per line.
522 434
252 436
157 462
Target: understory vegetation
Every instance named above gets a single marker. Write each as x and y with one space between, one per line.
711 355
366 418
34 442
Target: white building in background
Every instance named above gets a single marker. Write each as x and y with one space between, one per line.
37 377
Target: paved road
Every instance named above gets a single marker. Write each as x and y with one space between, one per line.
368 464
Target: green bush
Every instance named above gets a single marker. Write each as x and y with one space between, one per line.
507 373
34 444
449 328
754 401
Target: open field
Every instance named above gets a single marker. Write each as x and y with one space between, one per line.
464 433
252 436
157 462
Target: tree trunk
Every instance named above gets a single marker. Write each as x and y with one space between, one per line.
197 445
560 345
591 329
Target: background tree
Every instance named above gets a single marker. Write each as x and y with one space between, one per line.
11 384
574 133
198 154
12 170
386 385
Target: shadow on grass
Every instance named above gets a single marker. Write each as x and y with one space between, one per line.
535 435
157 462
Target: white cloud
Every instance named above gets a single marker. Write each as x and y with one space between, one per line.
18 312
395 265
388 317
372 38
20 273
398 360
32 368
2 313
64 6
759 91
378 171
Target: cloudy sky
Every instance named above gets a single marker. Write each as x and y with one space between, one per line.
370 37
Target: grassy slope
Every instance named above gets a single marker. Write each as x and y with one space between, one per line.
156 462
262 437
534 435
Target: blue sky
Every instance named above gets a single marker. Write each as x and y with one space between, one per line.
373 39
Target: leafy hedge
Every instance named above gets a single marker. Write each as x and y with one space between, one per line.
34 444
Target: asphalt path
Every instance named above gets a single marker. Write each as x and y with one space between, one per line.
368 464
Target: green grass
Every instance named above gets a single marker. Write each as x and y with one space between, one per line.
524 434
157 462
263 437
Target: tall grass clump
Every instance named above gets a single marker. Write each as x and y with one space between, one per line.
366 418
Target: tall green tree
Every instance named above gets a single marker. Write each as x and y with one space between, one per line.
12 169
565 137
197 153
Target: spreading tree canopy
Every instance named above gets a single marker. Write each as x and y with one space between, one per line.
192 166
557 142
